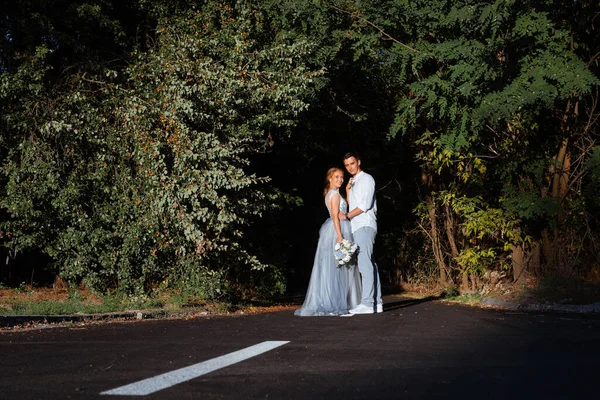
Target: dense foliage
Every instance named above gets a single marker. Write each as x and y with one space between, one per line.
149 145
492 94
136 177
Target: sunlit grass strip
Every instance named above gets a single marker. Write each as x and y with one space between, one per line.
58 308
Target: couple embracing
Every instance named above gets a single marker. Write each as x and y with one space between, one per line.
348 289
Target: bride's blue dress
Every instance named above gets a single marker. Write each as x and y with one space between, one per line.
332 290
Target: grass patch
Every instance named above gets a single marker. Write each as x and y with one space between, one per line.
68 300
472 298
57 308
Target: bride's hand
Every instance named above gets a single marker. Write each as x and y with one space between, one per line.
349 185
339 239
342 216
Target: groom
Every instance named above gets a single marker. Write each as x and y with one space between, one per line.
363 219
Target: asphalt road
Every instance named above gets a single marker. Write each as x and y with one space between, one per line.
414 350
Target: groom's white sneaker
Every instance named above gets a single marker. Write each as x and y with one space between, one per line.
361 309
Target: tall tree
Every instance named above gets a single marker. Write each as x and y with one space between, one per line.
491 98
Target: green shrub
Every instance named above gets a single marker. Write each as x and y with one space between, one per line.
138 178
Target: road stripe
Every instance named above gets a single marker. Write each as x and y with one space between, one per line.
163 381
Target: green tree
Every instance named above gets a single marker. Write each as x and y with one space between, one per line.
485 94
486 108
138 177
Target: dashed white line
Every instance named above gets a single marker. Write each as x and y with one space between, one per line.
166 380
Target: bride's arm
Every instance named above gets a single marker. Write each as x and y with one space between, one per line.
349 188
334 206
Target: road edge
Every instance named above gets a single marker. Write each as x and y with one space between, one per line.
565 308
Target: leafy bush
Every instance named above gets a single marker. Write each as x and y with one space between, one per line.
137 178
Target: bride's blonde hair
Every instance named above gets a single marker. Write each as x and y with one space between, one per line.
328 176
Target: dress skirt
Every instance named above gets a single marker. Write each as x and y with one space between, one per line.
332 289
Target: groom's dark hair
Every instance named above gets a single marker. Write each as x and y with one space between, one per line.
352 154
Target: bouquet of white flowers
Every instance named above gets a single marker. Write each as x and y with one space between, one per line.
344 252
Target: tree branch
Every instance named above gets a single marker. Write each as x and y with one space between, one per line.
381 31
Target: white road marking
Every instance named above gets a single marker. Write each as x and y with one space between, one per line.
166 380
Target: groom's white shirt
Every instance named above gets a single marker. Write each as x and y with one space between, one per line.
362 195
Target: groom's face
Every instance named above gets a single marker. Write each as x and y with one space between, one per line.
352 165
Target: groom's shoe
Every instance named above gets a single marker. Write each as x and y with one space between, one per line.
361 309
379 308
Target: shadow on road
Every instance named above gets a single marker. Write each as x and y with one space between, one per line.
298 299
396 305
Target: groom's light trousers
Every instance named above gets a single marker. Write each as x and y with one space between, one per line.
371 285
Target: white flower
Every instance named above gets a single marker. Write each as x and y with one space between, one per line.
344 252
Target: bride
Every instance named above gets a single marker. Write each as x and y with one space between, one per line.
332 289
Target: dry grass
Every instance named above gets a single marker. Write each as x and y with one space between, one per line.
56 293
62 299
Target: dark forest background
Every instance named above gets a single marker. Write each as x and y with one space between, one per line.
151 145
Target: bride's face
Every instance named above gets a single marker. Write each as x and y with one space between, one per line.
336 180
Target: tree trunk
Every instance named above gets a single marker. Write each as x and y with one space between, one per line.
474 282
464 286
518 264
449 222
559 169
564 177
560 183
534 262
435 241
